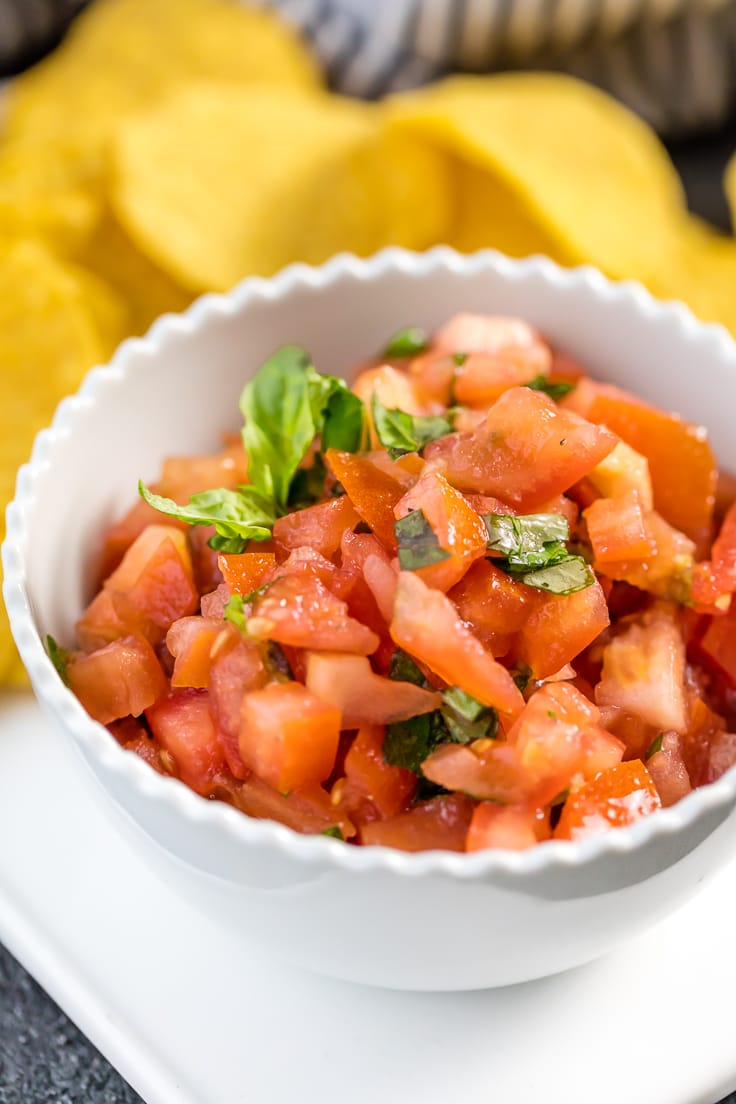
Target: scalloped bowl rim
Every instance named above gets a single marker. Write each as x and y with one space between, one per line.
172 794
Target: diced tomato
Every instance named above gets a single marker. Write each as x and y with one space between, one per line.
513 827
393 388
706 730
427 626
213 604
288 735
150 751
637 734
457 527
320 527
306 560
483 377
123 678
236 666
561 504
307 810
373 493
494 604
363 554
363 697
681 461
721 755
511 340
247 571
560 626
301 611
190 641
433 375
205 560
668 770
644 670
152 586
121 535
715 580
615 798
527 450
617 530
667 571
622 471
441 823
184 476
182 724
371 788
718 644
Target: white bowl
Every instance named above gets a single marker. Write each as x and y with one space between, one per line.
436 920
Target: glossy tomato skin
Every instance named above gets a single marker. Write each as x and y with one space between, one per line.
526 451
191 641
372 789
120 679
321 527
247 571
349 683
441 823
372 492
668 770
182 724
560 626
494 604
617 529
513 827
615 798
236 667
288 736
308 810
299 610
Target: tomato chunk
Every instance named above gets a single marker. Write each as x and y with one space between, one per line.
320 527
715 580
494 605
511 340
615 798
247 571
363 697
622 471
373 493
288 735
182 724
560 626
236 666
514 827
458 528
371 788
439 824
299 610
525 451
308 810
122 678
668 770
617 530
427 626
190 641
718 644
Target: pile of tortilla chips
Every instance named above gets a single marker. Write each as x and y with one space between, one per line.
171 147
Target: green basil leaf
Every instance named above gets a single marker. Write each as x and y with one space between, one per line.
533 540
308 484
408 743
344 425
400 432
418 544
406 343
522 676
60 658
466 718
234 611
554 390
566 577
403 669
279 421
335 832
459 359
656 745
238 516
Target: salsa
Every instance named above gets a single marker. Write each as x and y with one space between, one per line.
478 600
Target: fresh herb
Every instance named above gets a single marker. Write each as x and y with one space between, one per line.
335 832
534 540
403 669
234 611
308 484
538 541
418 544
561 797
400 432
275 661
286 405
406 343
459 359
466 718
555 391
238 516
521 676
60 658
408 743
566 577
656 745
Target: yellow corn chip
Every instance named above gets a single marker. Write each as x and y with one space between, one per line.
700 270
571 169
48 340
730 186
217 183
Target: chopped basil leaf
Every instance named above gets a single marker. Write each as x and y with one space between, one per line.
418 544
238 516
403 669
656 745
561 797
466 718
426 789
408 743
566 577
276 662
522 676
59 657
344 419
555 391
335 832
405 343
400 432
534 540
234 612
308 484
459 358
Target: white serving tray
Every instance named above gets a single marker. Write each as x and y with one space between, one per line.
191 1016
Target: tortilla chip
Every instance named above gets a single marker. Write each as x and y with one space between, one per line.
701 271
218 183
585 179
730 187
48 339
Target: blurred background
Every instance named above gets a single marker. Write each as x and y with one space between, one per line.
152 150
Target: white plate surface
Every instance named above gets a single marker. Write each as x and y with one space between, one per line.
191 1016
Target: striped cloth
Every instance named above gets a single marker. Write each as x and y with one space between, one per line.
672 61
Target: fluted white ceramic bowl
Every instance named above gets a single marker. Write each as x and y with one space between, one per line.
436 920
